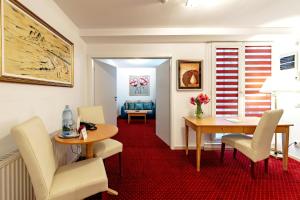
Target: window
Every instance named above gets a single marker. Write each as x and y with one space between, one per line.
257 68
240 71
227 60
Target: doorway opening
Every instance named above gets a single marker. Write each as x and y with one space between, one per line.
129 88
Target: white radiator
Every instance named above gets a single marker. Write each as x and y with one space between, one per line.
15 182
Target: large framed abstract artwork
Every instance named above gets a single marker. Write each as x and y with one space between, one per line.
189 75
31 50
139 85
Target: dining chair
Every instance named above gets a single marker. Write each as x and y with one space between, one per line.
107 147
74 181
256 148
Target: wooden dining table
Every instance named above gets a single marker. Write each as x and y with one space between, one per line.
103 131
247 125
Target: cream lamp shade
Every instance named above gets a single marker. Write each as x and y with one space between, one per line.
280 84
268 86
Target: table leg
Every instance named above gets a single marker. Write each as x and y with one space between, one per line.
112 192
128 119
285 148
186 140
145 119
89 151
198 143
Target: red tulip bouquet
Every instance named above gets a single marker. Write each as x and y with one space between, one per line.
199 100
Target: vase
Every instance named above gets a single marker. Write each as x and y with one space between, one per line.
199 112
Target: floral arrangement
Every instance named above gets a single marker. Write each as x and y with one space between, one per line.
198 101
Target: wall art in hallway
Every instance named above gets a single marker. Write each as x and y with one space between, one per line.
139 85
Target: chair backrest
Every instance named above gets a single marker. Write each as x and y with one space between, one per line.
93 114
36 148
264 131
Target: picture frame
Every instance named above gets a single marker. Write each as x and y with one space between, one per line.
139 85
189 75
289 61
32 51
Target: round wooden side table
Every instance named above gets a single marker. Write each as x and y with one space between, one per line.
104 131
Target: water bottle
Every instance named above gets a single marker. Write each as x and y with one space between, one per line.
67 121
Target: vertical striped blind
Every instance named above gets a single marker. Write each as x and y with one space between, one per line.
227 60
257 69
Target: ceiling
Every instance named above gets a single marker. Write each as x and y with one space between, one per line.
136 63
150 21
94 14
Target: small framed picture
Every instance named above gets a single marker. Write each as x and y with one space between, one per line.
189 75
288 61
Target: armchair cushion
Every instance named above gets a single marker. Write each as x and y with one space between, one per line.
107 148
79 180
243 144
232 139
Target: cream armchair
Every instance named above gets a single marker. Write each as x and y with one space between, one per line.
70 182
256 148
107 147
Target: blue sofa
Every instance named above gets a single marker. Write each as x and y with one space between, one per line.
138 105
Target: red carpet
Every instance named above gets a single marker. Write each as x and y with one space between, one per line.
152 171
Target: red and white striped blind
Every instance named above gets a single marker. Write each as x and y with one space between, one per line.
257 68
227 60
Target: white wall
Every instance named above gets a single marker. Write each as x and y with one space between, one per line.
288 100
123 74
180 105
19 102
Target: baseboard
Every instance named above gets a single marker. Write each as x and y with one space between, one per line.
183 148
212 146
216 146
205 147
295 158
